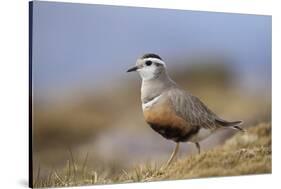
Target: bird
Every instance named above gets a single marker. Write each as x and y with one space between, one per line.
171 111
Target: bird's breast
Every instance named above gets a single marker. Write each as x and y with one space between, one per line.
162 113
151 102
162 118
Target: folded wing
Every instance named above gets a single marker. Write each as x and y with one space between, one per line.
191 109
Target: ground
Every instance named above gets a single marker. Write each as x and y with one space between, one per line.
242 154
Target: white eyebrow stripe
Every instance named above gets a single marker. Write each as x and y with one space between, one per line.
157 60
150 103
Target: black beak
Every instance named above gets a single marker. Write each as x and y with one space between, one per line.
132 69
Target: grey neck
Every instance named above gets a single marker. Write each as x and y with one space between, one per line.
155 87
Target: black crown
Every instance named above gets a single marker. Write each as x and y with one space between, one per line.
151 55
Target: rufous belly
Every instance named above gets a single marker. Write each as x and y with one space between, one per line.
163 119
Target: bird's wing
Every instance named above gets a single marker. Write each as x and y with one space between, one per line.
191 109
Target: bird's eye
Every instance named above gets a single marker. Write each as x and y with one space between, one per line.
148 63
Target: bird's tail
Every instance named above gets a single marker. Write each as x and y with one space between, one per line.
231 124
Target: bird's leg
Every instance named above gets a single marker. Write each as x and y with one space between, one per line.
198 147
173 154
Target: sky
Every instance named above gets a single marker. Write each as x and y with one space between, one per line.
84 44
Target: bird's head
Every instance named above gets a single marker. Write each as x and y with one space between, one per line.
149 66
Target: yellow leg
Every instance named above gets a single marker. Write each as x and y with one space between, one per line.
173 154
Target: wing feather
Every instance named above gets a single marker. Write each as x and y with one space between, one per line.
191 109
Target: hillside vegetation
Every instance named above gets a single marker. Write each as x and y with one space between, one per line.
244 153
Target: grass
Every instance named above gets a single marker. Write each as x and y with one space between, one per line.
242 154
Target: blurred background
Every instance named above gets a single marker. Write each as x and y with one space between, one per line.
85 105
